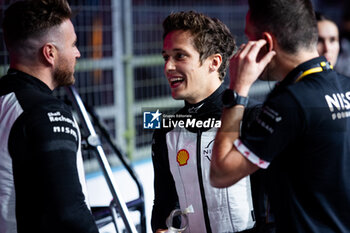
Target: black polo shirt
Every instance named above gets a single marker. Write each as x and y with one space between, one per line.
303 136
40 135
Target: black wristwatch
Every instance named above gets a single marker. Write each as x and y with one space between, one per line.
230 98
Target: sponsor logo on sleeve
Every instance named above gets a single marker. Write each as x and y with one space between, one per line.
56 118
268 119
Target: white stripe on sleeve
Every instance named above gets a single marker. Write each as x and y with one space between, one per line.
250 155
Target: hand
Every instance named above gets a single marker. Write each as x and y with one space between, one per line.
245 68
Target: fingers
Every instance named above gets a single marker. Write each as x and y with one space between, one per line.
251 49
240 48
250 52
245 50
267 58
248 63
256 51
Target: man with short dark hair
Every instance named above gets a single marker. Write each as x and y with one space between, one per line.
302 133
42 185
196 51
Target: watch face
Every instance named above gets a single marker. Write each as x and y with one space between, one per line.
229 98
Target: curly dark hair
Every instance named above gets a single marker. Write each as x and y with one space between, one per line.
210 35
32 18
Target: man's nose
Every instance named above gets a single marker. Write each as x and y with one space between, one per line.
169 65
77 55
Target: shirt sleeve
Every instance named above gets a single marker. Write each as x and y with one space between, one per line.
53 143
165 195
277 126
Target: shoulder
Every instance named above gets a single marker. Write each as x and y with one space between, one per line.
35 100
44 130
47 120
319 82
46 108
315 87
281 107
343 78
283 97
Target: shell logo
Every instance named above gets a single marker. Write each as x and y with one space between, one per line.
182 157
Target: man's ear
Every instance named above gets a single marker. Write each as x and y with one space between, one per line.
215 62
269 41
49 53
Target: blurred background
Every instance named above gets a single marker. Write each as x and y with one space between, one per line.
120 71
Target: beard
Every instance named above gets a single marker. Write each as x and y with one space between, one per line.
62 75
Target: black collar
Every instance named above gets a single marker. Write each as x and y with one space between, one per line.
28 79
300 69
212 103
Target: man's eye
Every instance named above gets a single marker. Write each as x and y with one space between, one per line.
75 43
166 58
180 56
333 39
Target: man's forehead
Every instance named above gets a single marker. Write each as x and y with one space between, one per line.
179 34
177 37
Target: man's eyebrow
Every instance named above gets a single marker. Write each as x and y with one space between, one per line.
175 50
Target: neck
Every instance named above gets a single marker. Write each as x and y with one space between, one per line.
214 85
287 62
36 70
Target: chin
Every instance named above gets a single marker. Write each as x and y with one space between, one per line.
71 81
177 96
66 82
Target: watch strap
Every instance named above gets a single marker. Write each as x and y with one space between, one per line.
240 100
231 98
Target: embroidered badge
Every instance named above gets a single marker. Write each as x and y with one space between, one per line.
182 157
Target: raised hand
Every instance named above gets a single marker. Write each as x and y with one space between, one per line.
247 65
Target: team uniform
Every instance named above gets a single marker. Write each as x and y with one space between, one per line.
181 159
41 172
303 135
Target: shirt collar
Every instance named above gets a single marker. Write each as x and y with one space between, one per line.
296 72
212 102
31 80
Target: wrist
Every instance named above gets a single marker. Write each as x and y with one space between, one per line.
231 98
241 90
